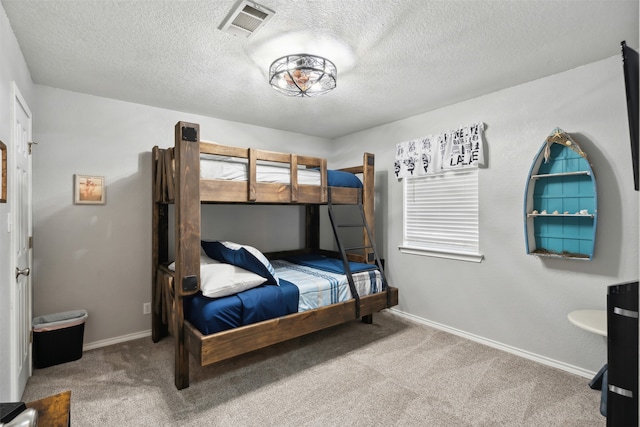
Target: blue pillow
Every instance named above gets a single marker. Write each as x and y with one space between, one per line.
242 256
343 179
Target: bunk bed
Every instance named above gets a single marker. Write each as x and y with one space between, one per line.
190 174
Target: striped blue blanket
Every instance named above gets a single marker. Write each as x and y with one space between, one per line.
321 288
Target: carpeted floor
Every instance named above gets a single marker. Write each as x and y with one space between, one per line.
393 372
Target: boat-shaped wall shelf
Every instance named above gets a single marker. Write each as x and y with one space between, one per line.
560 202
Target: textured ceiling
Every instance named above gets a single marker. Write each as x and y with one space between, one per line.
395 58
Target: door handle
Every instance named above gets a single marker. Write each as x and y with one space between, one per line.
24 272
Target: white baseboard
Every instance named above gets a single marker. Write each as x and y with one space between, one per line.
116 340
513 350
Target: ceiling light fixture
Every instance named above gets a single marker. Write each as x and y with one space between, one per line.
302 75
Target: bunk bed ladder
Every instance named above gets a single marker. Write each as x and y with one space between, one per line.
344 250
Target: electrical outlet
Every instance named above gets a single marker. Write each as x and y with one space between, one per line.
146 308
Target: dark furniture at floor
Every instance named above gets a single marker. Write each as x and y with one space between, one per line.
53 411
622 355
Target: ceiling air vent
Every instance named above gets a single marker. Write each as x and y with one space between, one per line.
246 18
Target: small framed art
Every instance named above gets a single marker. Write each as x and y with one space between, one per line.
89 190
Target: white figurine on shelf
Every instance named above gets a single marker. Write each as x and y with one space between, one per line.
544 212
584 212
555 212
535 212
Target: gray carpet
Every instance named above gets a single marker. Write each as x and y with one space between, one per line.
393 372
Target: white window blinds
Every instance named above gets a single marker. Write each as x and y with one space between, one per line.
441 215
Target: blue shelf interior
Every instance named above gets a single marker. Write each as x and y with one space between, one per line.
568 193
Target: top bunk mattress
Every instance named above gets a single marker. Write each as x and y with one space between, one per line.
236 169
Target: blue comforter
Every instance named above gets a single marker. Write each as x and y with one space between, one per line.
211 315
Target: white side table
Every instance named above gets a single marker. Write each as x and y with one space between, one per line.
591 320
594 321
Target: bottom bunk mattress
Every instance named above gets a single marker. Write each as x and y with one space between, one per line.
306 283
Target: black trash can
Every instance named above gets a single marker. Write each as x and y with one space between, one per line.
57 338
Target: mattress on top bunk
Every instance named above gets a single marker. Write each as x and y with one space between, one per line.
235 169
303 286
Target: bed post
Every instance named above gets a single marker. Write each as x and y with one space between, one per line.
368 178
160 252
187 240
312 228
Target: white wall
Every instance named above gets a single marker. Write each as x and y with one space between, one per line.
12 69
514 299
99 257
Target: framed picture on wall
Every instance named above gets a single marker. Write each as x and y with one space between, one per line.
89 190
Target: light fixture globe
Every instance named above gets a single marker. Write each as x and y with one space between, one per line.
302 75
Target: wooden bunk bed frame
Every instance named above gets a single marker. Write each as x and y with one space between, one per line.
176 180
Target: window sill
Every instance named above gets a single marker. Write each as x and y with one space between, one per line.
460 256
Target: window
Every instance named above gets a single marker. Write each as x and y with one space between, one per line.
441 215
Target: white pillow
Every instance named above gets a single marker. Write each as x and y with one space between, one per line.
219 280
204 259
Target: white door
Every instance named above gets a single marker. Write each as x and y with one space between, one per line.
21 294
